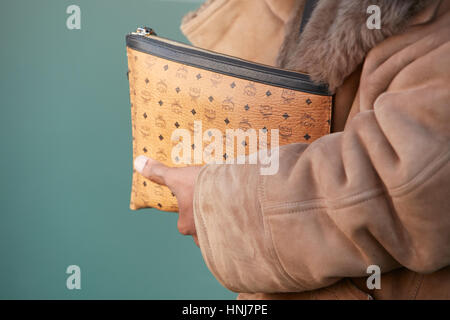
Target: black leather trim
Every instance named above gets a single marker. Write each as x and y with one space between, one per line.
226 65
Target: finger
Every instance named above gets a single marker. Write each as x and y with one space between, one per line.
196 240
153 170
185 224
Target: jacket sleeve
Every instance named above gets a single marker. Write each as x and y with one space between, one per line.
377 193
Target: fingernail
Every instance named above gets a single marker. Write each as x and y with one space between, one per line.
139 163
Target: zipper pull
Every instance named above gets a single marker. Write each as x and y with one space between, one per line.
145 31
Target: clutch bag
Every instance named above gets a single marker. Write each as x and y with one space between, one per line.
177 86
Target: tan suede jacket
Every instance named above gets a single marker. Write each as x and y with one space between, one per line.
374 192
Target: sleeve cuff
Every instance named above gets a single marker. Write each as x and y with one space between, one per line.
233 237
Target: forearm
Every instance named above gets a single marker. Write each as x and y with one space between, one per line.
376 193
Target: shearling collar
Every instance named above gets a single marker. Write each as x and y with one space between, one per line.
336 38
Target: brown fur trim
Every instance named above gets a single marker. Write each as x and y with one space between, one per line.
336 39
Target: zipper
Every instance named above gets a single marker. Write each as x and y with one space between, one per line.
142 40
144 31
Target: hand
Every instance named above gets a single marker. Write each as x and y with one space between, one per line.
181 182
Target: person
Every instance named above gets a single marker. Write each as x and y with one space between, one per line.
376 191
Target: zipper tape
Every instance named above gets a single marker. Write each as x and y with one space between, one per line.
226 65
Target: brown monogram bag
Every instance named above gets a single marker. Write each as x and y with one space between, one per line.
177 86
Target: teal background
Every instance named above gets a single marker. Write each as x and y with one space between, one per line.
66 162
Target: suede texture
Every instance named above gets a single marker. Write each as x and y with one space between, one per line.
373 192
234 33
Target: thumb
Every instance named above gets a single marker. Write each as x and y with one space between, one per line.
152 169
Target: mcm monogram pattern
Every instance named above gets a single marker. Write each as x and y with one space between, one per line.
167 95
